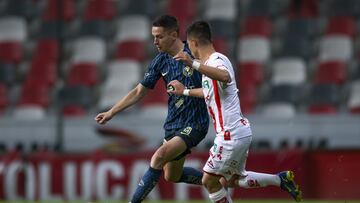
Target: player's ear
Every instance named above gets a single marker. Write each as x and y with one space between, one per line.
196 43
174 34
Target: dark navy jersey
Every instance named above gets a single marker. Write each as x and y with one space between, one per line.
183 111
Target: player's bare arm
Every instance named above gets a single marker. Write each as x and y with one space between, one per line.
211 72
178 88
130 99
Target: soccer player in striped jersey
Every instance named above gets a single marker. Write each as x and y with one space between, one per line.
187 121
226 163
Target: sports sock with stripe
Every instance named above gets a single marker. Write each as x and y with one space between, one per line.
146 184
254 179
221 196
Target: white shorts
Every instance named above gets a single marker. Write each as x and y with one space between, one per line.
228 157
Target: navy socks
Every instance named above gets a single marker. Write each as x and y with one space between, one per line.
146 184
191 176
152 176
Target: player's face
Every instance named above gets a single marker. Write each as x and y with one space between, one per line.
193 48
163 39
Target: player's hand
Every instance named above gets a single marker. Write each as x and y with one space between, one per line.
175 87
184 57
103 117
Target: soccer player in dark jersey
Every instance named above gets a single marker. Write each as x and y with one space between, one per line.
187 120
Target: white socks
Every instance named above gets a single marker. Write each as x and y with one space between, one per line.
221 196
254 180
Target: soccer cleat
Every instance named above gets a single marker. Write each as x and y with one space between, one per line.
288 184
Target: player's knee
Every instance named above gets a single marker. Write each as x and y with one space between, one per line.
232 183
158 160
170 177
211 183
224 182
207 183
212 186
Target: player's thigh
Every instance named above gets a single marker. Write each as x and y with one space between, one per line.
169 150
211 178
173 169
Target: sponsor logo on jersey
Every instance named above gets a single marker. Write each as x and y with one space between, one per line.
163 74
179 102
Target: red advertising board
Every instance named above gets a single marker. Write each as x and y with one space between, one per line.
98 176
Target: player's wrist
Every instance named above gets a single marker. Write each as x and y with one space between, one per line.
111 112
195 64
186 92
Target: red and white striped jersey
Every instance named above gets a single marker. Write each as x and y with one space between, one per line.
223 102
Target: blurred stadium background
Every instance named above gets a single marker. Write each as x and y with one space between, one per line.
62 61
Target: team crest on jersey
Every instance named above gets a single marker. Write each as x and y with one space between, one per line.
187 71
186 131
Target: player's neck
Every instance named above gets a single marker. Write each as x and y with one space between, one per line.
205 52
176 47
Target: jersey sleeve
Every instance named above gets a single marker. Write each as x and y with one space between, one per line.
152 74
223 64
220 64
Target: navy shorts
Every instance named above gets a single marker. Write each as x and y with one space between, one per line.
191 136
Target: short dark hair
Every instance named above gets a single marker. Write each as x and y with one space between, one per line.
201 31
168 22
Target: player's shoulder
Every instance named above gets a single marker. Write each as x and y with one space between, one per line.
158 60
217 59
159 57
219 56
